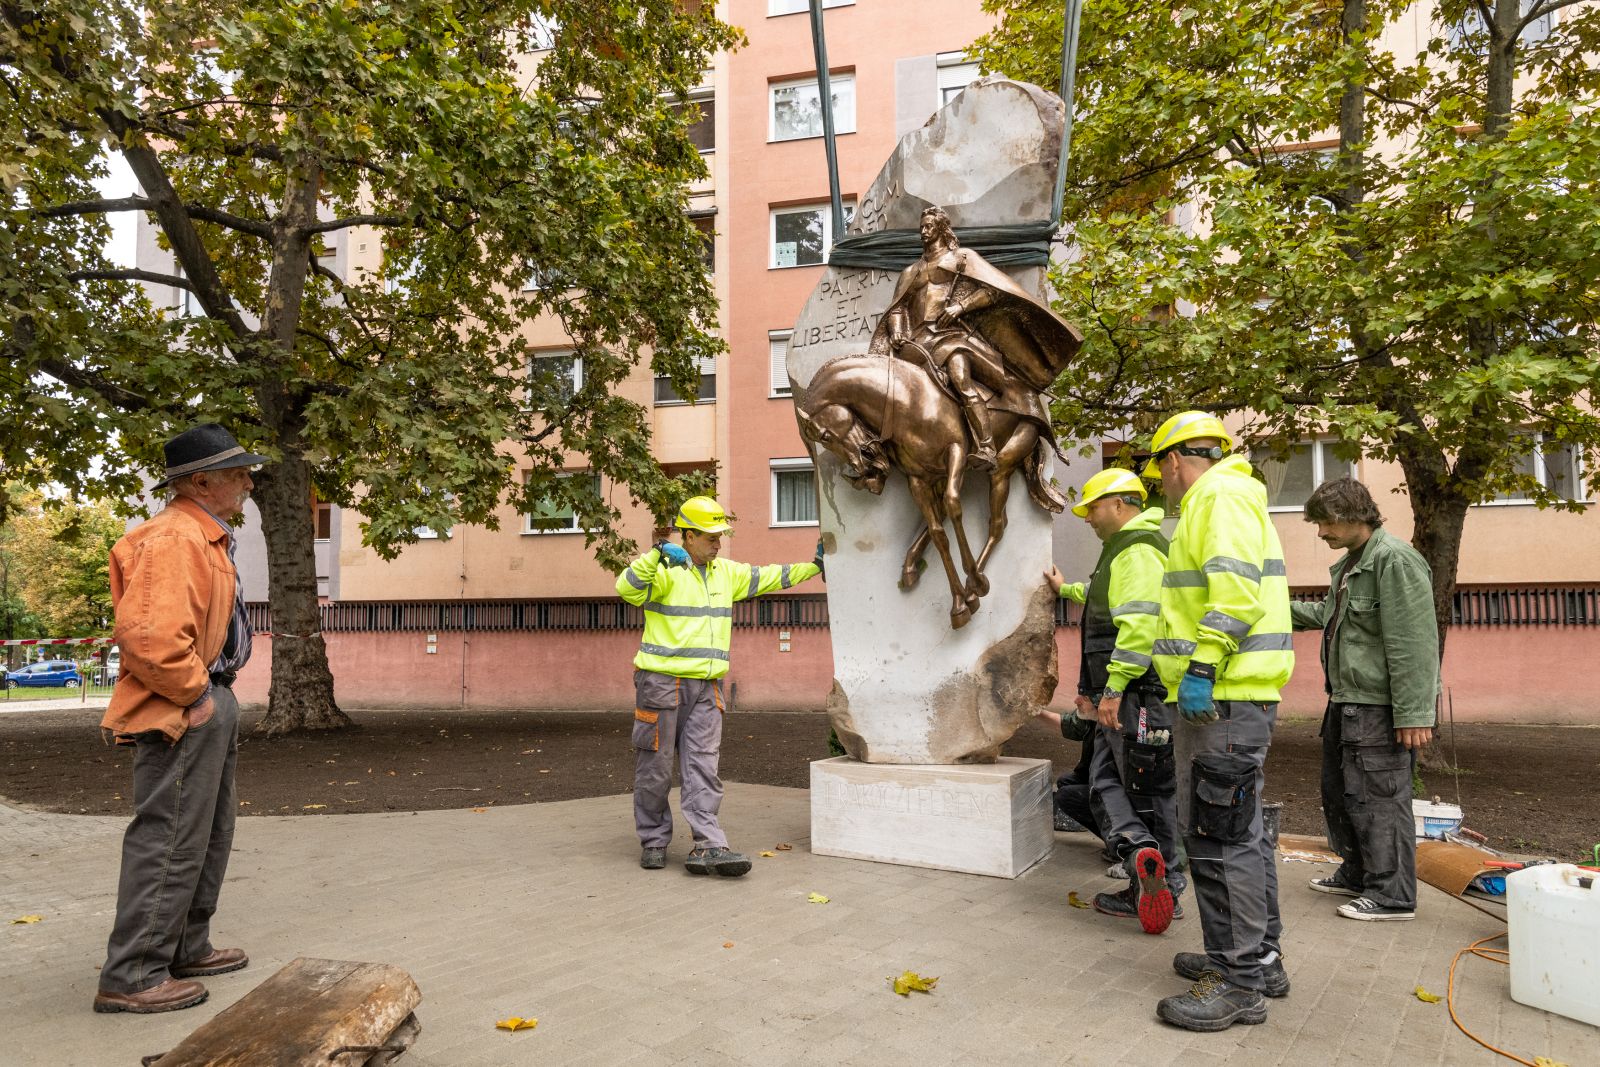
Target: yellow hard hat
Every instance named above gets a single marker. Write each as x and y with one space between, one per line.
1114 481
703 514
1185 426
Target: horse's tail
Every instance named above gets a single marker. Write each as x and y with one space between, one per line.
1044 494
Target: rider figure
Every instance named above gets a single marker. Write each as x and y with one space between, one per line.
926 326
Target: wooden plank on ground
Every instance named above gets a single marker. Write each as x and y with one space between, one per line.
300 1015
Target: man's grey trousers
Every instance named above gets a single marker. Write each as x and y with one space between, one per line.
683 716
1366 799
1231 864
1134 785
175 852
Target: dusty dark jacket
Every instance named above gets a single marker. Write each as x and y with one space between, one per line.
1387 642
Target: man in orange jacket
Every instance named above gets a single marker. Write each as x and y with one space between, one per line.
182 630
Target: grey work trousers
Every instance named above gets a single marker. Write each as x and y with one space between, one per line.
1137 807
1231 863
682 715
1366 800
175 852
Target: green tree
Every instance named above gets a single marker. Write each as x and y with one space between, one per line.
56 555
265 132
1422 284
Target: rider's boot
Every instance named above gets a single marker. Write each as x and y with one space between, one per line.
983 456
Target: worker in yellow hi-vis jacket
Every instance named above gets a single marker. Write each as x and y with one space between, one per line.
688 594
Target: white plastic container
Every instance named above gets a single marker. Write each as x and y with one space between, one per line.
1434 818
1553 929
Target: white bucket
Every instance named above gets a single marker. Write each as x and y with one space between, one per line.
1553 930
1434 819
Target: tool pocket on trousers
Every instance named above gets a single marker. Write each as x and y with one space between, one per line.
646 730
1152 769
1386 774
1224 798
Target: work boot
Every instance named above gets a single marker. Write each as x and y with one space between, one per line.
653 859
170 995
717 861
1368 910
1123 905
219 961
1213 1003
1068 825
1150 890
1274 979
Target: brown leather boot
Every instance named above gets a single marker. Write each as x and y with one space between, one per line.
221 961
170 995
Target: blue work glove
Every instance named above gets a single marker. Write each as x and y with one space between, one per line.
672 555
817 559
1194 699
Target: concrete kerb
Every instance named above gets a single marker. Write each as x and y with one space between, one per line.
542 910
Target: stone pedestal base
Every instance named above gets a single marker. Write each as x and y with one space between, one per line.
978 818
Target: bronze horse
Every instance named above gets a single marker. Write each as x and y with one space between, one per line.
877 412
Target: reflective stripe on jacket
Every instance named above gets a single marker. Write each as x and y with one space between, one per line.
1388 641
688 615
1225 594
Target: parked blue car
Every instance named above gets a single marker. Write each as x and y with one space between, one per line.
50 672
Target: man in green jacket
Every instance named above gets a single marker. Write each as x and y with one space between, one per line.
1380 656
1224 650
688 594
1134 787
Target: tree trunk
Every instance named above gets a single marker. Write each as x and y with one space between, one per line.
302 683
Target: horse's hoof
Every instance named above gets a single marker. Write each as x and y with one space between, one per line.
977 586
909 579
972 602
960 618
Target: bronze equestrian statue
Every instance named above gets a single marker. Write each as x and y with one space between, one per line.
954 377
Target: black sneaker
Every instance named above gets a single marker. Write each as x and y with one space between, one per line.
1213 1003
1335 885
1368 910
653 859
1274 979
1066 824
717 861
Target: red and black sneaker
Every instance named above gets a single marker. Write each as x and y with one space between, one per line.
1154 899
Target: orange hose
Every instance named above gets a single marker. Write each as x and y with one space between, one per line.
1498 955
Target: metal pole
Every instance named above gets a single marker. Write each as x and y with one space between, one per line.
1069 74
819 45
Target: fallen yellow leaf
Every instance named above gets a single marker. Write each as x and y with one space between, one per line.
27 919
479 811
911 980
312 807
784 848
817 898
727 944
1076 901
1545 1061
516 1022
1426 997
769 855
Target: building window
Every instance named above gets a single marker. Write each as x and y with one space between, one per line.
794 493
796 109
540 278
667 396
801 236
187 303
701 106
554 517
561 371
1470 31
542 29
1292 475
778 355
955 74
708 241
324 522
1551 465
397 278
794 7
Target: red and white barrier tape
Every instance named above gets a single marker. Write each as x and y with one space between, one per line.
62 641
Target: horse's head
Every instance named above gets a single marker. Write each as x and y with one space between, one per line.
836 428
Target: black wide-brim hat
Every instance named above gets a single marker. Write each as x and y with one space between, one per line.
204 448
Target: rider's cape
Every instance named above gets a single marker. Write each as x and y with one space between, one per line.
1035 342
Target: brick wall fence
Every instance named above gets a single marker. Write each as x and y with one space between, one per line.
1516 656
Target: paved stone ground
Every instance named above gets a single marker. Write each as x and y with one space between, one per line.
15 703
542 910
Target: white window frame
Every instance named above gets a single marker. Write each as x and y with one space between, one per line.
955 71
700 95
561 353
841 125
789 466
1321 450
708 366
1580 487
187 303
779 8
779 385
825 208
1534 32
528 529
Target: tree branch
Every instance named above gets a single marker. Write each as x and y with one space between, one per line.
94 207
130 275
229 220
357 220
1538 11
